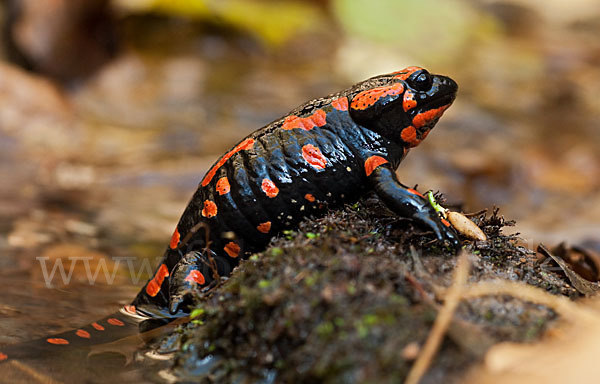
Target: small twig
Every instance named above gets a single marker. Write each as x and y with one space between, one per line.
559 304
441 322
210 263
416 285
417 263
192 232
473 214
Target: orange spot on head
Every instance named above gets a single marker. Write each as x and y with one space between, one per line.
3 356
83 334
409 136
313 156
445 222
427 117
367 98
340 104
406 72
195 277
97 327
232 249
153 286
310 197
223 186
269 188
264 227
57 341
317 119
115 322
373 162
174 239
210 209
409 101
415 192
244 145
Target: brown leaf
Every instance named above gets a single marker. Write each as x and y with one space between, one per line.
582 285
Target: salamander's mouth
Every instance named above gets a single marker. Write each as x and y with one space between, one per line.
440 101
428 114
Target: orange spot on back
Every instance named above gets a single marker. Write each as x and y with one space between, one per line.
153 286
310 197
373 162
264 227
83 334
195 277
115 322
406 72
232 249
415 192
223 186
365 99
445 222
317 119
409 136
409 101
426 117
3 356
313 156
244 145
269 188
340 104
97 327
210 209
174 239
57 341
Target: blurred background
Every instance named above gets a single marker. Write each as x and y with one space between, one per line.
112 111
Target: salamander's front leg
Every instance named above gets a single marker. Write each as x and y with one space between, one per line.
195 270
405 202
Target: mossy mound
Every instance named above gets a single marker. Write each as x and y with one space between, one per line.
349 298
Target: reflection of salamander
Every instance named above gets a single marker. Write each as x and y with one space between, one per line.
326 152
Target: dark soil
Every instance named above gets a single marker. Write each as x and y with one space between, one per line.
348 297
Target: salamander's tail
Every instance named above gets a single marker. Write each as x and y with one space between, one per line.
123 324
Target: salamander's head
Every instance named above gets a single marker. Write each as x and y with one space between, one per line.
402 106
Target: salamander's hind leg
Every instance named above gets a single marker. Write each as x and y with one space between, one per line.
194 271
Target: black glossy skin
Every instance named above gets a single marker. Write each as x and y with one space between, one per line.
347 140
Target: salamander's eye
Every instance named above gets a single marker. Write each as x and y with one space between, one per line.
420 81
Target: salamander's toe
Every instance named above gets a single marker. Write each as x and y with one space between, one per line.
179 304
444 233
174 304
452 237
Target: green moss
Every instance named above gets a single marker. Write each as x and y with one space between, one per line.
341 307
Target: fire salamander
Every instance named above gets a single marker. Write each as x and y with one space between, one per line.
325 153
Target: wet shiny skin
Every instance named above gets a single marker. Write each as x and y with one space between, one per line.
327 152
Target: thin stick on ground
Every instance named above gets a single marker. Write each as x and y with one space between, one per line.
563 306
442 321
